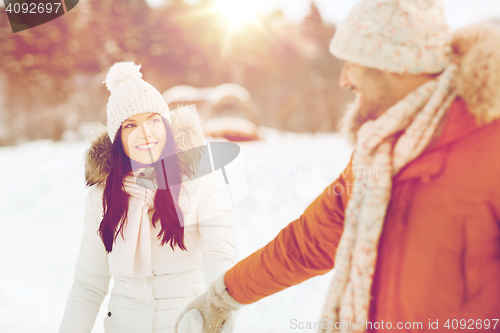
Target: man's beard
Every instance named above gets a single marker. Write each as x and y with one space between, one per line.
358 113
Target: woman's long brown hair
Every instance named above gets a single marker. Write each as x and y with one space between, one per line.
167 210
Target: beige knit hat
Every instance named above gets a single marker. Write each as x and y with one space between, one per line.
130 95
399 36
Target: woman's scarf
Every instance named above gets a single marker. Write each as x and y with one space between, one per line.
131 254
417 115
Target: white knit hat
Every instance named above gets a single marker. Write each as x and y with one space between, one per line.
399 36
130 95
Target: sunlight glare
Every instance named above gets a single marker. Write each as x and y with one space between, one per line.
239 13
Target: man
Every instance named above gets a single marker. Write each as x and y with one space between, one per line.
418 247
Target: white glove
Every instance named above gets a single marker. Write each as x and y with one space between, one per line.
213 311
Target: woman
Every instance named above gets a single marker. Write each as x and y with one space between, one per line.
162 235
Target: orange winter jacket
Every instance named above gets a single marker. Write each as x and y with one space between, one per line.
439 251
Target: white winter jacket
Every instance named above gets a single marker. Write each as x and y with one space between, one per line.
178 276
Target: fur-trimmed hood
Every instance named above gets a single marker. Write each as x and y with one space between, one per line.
188 134
476 51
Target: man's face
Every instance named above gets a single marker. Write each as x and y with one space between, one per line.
374 88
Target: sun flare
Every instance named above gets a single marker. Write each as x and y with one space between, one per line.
238 13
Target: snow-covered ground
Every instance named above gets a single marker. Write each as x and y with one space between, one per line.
42 200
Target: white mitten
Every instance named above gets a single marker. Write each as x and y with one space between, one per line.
213 311
191 322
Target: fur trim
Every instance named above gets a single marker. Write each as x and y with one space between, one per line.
476 50
188 134
97 166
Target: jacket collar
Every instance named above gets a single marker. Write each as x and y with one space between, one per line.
460 124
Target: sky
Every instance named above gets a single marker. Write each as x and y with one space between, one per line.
459 12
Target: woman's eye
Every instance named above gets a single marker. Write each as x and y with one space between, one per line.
129 126
155 120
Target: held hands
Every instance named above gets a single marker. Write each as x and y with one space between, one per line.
213 311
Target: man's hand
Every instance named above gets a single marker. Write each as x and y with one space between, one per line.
213 311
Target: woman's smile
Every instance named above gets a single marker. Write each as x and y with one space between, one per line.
147 147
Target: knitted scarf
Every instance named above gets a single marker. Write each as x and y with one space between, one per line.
131 255
417 116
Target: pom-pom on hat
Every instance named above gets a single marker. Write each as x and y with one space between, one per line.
130 95
399 36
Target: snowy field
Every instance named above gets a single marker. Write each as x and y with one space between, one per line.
42 200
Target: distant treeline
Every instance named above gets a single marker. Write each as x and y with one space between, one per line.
53 73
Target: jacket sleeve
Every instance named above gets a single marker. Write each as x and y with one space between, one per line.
215 222
304 249
91 281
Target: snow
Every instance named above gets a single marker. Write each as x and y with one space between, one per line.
42 200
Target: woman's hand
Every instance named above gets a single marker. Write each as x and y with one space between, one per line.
213 311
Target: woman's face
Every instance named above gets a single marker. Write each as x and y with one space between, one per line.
143 137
